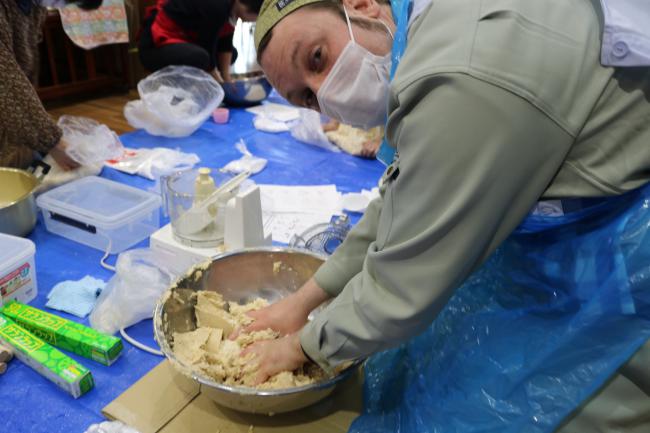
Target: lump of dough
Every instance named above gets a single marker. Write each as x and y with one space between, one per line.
209 351
210 312
214 318
214 341
351 139
213 299
188 346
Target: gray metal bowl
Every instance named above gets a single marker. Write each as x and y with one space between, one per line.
249 88
242 276
17 203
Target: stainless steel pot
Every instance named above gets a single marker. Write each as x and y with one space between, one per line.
17 204
241 276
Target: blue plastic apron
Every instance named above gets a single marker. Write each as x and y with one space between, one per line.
400 8
537 330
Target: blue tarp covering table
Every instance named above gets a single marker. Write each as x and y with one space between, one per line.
31 403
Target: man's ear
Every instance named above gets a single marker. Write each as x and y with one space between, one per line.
369 8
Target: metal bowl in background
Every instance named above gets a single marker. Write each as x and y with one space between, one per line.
17 203
241 276
247 89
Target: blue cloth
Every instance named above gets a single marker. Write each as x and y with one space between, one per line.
37 405
76 297
560 306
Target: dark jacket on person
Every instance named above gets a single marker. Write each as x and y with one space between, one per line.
25 126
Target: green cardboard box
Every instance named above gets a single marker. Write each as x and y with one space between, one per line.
65 334
45 359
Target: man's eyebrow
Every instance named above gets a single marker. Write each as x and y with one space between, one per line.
294 62
294 54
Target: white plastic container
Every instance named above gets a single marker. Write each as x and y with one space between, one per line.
100 213
17 269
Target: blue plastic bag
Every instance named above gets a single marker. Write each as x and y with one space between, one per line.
555 311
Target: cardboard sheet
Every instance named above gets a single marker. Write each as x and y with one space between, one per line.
165 401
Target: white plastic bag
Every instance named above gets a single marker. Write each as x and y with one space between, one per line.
247 162
110 427
309 130
174 101
142 276
266 124
152 163
89 142
58 176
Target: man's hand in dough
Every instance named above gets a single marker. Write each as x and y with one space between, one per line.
289 314
285 316
275 356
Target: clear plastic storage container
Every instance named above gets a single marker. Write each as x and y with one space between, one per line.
17 269
100 213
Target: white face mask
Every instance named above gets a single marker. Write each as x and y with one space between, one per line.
355 91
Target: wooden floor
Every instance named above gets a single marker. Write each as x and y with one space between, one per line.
105 109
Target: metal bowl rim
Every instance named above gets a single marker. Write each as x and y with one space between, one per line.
260 76
243 390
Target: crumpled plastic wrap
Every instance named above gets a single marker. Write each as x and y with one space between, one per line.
308 129
58 176
153 163
89 142
142 276
531 335
174 101
248 162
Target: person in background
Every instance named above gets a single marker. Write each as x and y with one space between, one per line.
25 126
194 33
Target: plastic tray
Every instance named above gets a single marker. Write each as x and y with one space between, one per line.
100 213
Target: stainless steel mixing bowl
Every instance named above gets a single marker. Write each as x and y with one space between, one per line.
242 276
18 210
249 88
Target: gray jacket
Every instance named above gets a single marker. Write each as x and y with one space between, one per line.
495 105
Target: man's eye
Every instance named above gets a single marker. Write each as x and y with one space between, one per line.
316 60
